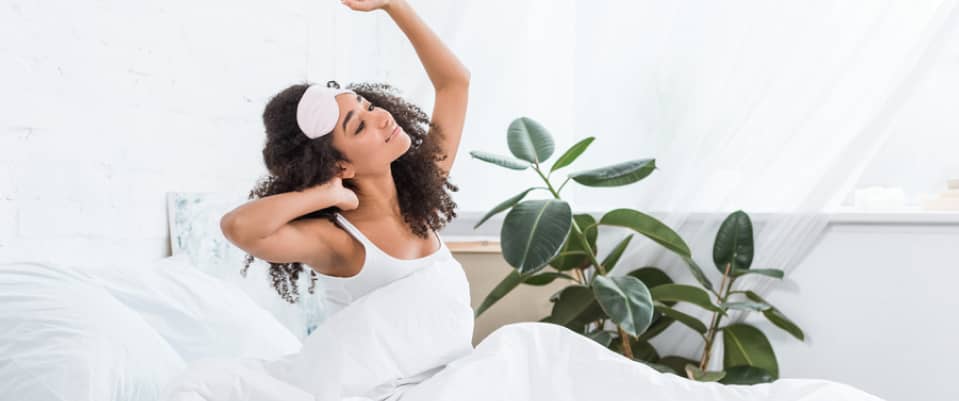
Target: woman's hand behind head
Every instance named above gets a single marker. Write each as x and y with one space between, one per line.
346 198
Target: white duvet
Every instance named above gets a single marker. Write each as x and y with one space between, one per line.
410 340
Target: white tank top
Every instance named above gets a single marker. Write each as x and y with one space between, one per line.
379 268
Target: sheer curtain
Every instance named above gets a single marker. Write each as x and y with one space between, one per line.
772 107
769 107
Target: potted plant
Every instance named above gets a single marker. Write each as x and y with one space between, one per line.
748 356
543 240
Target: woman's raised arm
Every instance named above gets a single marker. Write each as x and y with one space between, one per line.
449 76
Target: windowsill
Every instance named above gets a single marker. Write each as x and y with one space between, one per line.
486 239
900 216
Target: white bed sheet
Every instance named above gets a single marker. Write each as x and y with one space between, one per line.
410 341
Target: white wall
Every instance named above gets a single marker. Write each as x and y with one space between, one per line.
877 303
108 105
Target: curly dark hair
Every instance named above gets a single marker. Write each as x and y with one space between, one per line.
295 162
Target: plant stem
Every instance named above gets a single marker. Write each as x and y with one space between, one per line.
592 257
562 185
624 337
579 274
579 233
713 329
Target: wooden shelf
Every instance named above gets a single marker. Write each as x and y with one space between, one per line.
460 244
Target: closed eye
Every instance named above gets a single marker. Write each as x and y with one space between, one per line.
362 122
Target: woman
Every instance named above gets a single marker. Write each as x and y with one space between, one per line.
371 164
363 159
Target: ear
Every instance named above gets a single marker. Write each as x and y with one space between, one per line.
346 170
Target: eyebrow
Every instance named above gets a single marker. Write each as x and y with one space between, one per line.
350 114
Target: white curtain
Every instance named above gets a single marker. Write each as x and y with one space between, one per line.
772 107
769 107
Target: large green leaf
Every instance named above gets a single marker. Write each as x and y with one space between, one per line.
511 281
574 306
626 301
619 174
659 367
571 154
592 314
746 345
569 258
642 350
546 278
604 337
776 317
746 374
533 233
677 363
747 306
610 260
660 324
528 140
503 206
698 273
734 242
774 273
695 373
687 320
684 293
499 160
648 226
570 253
652 277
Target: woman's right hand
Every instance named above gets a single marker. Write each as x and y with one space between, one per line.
366 5
345 198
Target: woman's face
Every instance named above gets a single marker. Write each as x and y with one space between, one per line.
368 135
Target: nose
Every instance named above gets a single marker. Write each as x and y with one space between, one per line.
387 119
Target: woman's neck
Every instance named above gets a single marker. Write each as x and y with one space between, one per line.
377 198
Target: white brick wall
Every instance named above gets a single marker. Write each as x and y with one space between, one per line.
108 105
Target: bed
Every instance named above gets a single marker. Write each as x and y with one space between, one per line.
187 327
70 333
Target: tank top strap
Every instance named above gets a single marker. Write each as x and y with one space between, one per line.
369 245
352 229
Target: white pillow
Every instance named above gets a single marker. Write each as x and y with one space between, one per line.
199 315
64 339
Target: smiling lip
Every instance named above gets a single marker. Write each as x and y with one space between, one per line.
395 130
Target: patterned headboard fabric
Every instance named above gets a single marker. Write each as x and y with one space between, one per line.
194 223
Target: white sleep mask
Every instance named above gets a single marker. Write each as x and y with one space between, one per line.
317 111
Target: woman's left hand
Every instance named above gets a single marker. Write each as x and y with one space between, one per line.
366 5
